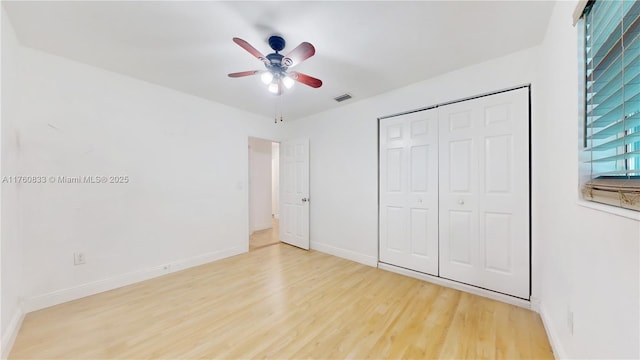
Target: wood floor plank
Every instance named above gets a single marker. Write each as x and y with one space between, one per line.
282 302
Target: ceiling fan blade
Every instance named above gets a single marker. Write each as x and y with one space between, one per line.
253 51
305 79
243 73
299 54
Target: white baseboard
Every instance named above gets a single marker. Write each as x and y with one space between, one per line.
556 345
345 254
458 286
9 336
63 295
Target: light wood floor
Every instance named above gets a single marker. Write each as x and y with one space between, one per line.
265 237
282 302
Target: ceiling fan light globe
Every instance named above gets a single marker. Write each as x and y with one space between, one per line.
266 77
288 82
273 88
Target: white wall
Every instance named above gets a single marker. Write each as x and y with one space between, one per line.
11 247
260 190
275 179
186 200
344 148
585 260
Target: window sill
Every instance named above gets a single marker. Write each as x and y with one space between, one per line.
629 214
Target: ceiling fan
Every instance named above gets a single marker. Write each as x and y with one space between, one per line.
277 76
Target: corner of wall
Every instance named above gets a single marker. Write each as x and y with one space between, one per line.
554 339
9 335
11 309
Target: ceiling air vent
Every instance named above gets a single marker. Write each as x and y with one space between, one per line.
342 98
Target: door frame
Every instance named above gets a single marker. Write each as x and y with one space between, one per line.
248 182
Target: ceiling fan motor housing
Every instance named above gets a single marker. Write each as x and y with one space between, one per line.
276 65
275 59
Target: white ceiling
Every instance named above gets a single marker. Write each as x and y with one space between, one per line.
362 47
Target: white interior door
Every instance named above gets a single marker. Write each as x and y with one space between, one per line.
484 192
294 192
409 191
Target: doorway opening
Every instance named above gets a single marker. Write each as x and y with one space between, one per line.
264 193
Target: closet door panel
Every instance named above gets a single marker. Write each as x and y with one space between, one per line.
396 229
419 229
497 235
484 192
409 191
458 211
504 197
460 233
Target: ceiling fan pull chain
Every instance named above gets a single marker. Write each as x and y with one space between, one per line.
279 108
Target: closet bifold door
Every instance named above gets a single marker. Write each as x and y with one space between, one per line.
409 191
484 192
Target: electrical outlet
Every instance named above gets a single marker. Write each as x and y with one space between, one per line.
79 259
167 267
570 321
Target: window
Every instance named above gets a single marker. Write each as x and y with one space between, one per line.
612 102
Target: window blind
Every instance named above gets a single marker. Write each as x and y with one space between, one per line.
612 102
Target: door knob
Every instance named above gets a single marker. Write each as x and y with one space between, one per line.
305 199
461 202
